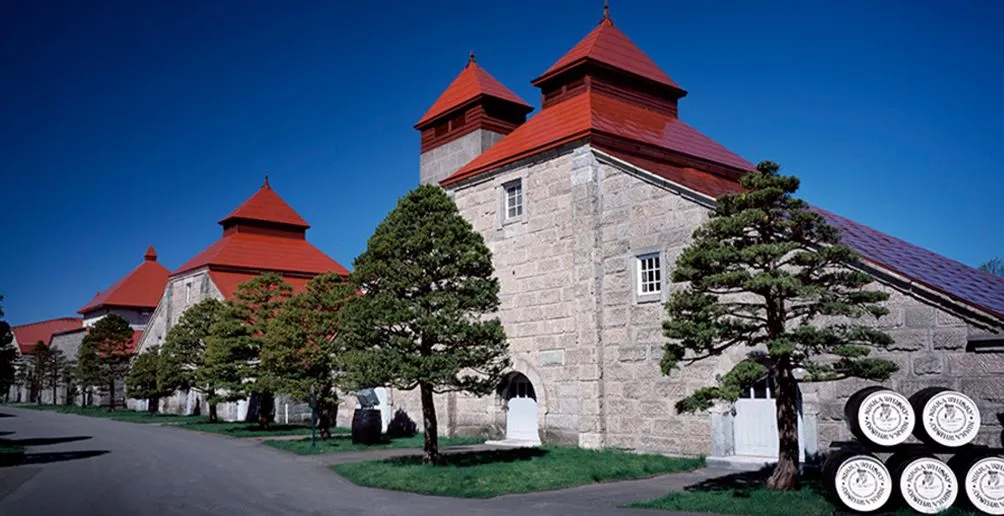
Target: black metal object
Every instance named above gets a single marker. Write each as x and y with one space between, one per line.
366 426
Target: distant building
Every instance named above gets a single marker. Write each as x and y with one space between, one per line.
26 336
264 234
586 206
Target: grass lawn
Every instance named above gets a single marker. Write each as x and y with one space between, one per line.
343 443
119 414
243 429
497 472
743 493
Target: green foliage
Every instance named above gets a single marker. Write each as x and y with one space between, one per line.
105 353
142 380
299 353
182 355
233 346
9 355
995 266
425 317
343 443
767 274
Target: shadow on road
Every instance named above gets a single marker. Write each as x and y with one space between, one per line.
468 459
6 433
4 414
42 441
8 460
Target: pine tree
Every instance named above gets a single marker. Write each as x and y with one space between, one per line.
8 356
233 347
142 380
68 378
42 357
183 352
994 266
109 343
424 317
88 372
767 273
299 356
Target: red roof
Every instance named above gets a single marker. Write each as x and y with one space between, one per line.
264 252
473 82
28 335
606 44
141 288
227 281
266 206
593 112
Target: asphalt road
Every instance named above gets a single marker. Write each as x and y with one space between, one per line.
90 466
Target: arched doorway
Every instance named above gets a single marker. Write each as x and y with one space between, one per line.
521 410
755 423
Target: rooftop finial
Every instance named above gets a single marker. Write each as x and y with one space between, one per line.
606 13
266 182
151 254
471 60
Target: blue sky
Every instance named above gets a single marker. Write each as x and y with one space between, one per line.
126 123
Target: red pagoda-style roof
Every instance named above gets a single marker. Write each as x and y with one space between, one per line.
227 281
607 45
655 140
141 288
266 206
472 83
27 335
591 114
263 234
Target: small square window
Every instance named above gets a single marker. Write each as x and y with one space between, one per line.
649 274
513 200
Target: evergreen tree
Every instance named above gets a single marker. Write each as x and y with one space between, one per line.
9 356
767 273
299 356
53 371
424 318
182 355
68 378
995 266
42 357
88 372
142 380
233 347
110 341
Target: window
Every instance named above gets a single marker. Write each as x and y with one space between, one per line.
649 274
188 292
513 200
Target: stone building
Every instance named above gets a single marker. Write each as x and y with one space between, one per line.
587 204
26 336
133 297
263 234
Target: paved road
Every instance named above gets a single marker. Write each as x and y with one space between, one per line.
112 468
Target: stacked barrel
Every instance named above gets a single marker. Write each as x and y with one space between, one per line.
945 422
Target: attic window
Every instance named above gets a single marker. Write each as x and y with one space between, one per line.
458 121
442 128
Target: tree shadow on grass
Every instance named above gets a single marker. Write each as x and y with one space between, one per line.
478 458
42 441
9 460
741 483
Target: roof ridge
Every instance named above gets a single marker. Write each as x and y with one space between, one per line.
46 321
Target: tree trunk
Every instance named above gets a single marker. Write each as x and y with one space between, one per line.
151 405
210 394
111 395
785 476
429 419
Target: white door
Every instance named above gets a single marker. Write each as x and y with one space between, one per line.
521 414
755 424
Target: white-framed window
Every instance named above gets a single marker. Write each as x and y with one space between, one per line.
188 292
649 274
513 199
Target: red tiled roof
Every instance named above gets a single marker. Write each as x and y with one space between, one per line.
264 252
28 335
141 288
227 281
472 82
608 45
697 180
266 206
591 112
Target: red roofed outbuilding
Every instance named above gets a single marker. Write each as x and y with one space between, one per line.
586 206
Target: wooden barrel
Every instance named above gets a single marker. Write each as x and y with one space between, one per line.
945 417
981 474
857 480
879 416
366 426
924 483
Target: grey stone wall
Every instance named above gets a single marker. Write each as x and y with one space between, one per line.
437 164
